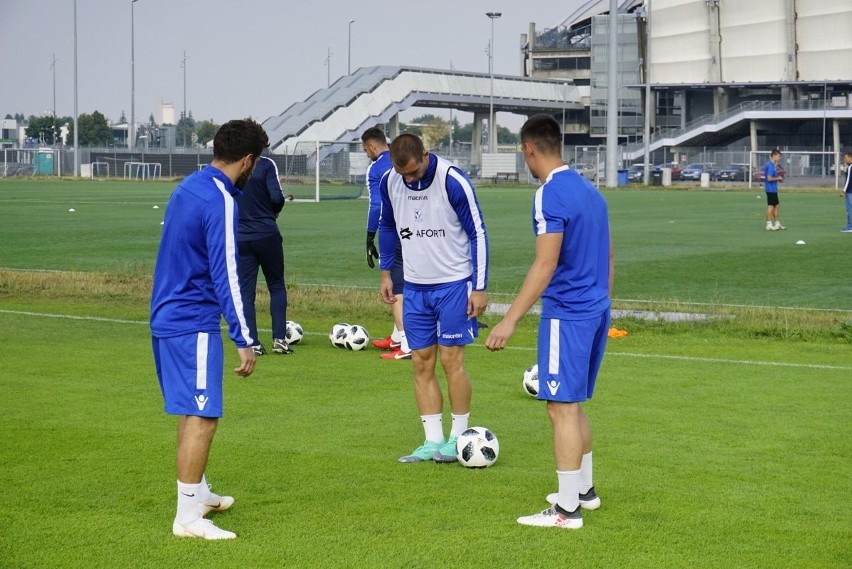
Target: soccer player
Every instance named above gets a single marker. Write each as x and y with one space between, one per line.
846 191
195 284
771 179
376 147
430 208
260 245
572 273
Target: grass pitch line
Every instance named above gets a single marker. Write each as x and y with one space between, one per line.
522 348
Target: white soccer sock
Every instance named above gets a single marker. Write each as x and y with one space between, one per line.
459 424
403 342
569 489
433 427
395 334
188 500
205 492
586 473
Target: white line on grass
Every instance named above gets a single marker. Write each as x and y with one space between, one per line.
522 348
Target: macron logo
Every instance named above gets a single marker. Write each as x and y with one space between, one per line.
553 387
201 401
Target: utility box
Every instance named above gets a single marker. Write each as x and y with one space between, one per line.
705 179
667 176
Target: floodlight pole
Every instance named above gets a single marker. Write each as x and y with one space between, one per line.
131 140
349 64
648 107
76 126
492 131
185 117
53 68
612 97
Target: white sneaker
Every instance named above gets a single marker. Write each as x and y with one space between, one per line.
216 503
551 518
770 227
203 528
778 226
588 501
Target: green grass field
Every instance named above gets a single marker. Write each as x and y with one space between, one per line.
722 443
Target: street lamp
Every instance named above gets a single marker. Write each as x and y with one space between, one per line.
564 104
492 132
349 64
131 142
53 68
76 125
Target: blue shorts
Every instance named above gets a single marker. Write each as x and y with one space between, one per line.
438 316
190 370
569 357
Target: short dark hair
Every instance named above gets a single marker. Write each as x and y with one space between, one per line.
238 138
406 147
774 152
543 132
374 133
848 153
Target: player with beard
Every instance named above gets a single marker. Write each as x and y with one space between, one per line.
195 284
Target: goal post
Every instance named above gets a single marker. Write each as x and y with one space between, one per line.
803 168
324 170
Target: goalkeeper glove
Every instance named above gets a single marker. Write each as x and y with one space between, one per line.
372 253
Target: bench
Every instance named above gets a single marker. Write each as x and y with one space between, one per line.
505 177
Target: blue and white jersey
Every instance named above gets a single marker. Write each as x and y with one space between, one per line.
195 279
567 203
439 224
375 171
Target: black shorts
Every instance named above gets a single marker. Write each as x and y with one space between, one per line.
771 198
397 273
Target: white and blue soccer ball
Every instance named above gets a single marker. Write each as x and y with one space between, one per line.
530 382
294 333
478 448
338 334
357 338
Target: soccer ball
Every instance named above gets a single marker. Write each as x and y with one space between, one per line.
478 448
357 338
294 333
338 333
530 382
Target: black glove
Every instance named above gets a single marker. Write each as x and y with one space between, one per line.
372 253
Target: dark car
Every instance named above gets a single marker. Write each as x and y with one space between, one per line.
759 176
693 171
734 173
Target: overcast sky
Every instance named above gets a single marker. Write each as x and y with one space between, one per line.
244 57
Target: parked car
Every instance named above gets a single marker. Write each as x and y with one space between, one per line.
693 171
673 166
758 176
636 173
585 170
734 173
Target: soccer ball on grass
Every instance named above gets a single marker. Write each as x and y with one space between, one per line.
530 382
294 333
478 448
357 338
338 333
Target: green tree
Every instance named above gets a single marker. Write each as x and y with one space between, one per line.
45 129
506 136
94 130
206 130
185 128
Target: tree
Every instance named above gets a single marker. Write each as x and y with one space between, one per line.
45 129
435 131
506 136
185 128
94 130
151 120
122 119
206 130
